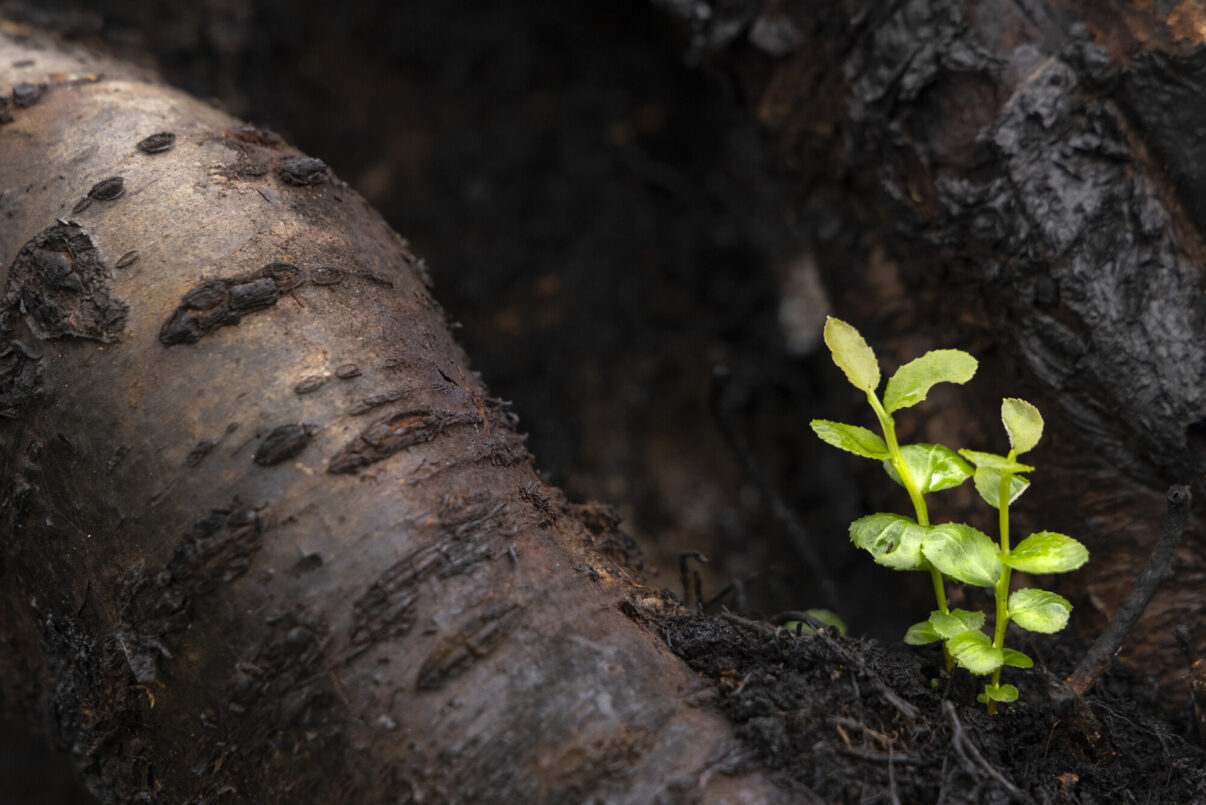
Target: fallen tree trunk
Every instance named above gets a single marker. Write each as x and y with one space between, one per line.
265 536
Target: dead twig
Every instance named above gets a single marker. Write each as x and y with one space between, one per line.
759 628
904 708
1158 568
684 572
888 757
969 753
853 723
944 776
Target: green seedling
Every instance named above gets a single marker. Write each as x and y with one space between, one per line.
894 540
999 481
953 550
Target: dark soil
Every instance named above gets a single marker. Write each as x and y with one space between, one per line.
599 217
845 720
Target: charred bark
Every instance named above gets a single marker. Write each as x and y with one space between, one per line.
265 537
1022 177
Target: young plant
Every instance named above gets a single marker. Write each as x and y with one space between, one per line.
894 540
954 550
999 481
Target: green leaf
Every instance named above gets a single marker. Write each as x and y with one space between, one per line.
826 616
1039 610
963 553
921 633
1023 423
993 461
988 484
1016 659
998 693
893 541
851 354
913 381
1047 552
851 438
975 652
955 622
933 467
830 618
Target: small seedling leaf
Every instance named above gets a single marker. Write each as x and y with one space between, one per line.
992 461
921 633
826 616
963 553
933 467
852 355
830 618
1023 423
1047 552
988 484
913 381
998 693
957 621
975 652
851 438
892 540
1016 659
1039 610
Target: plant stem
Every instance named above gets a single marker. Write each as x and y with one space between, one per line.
1001 590
902 469
919 507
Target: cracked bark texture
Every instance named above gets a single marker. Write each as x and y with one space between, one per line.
265 535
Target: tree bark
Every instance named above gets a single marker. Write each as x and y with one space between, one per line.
265 536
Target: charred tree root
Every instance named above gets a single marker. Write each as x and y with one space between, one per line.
1157 570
